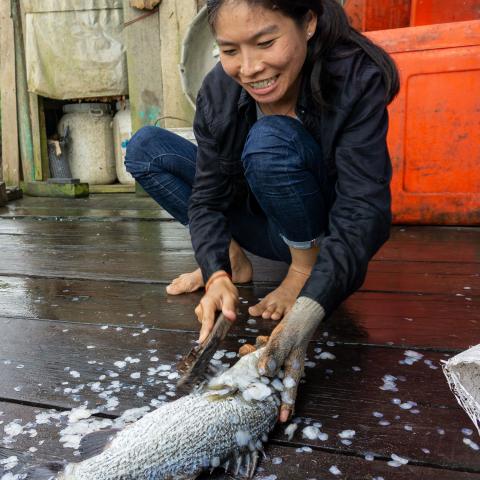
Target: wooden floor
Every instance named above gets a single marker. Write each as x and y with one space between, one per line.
82 287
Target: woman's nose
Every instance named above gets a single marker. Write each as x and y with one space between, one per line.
250 66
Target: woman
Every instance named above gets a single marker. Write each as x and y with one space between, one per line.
291 165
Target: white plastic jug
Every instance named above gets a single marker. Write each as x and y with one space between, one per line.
122 132
90 150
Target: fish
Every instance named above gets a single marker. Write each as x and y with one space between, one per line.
222 423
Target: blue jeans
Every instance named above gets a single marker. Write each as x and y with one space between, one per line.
284 169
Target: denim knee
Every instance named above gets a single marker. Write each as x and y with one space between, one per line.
284 167
272 139
137 158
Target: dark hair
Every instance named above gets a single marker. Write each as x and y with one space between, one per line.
333 30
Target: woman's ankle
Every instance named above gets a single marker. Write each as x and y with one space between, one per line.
242 270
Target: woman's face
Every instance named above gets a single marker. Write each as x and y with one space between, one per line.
263 50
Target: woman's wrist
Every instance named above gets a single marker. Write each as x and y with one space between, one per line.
306 314
308 306
215 276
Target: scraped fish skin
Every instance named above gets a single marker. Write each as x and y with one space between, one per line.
180 439
174 444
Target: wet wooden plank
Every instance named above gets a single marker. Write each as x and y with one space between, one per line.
67 365
421 242
431 244
92 202
113 262
422 277
283 461
430 321
97 207
95 262
84 214
141 252
148 236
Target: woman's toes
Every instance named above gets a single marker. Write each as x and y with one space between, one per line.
173 289
256 310
277 315
269 311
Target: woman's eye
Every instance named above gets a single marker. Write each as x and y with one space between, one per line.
267 44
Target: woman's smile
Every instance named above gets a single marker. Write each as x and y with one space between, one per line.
264 87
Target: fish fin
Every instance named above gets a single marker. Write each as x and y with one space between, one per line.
247 465
95 443
238 465
243 466
253 464
49 471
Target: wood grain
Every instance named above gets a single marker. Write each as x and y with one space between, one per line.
145 81
429 321
175 17
82 287
10 152
142 252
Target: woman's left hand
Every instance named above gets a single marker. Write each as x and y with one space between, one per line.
287 347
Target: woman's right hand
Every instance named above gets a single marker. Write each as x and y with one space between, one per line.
221 295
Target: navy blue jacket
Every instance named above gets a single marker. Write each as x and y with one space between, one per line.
352 136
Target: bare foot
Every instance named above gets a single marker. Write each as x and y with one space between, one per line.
186 283
242 272
279 302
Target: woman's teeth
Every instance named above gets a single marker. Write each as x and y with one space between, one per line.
263 83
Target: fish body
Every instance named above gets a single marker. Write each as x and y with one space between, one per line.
222 424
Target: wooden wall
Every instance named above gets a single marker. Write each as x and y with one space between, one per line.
175 18
153 55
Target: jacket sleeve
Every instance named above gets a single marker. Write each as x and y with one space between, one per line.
211 197
360 218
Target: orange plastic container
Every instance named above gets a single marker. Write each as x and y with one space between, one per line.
434 135
426 12
368 15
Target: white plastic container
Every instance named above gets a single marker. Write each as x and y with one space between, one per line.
90 151
122 132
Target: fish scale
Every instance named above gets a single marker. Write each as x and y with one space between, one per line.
180 439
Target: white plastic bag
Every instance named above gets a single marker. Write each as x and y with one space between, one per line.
463 375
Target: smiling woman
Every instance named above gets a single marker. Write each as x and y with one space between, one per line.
291 165
264 51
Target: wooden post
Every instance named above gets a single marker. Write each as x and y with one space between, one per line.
42 129
142 40
11 161
175 18
34 102
23 99
3 194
